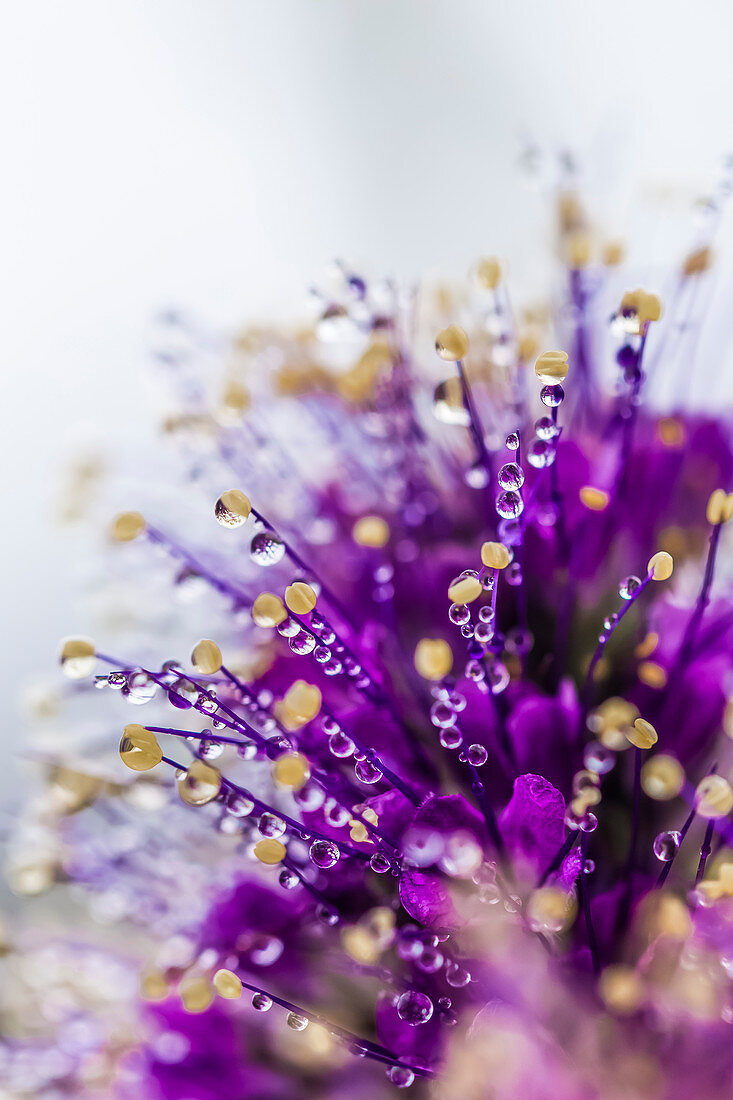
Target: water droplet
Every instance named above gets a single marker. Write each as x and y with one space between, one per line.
430 960
512 441
628 587
552 396
302 643
442 715
497 677
509 505
457 976
296 1021
451 738
271 825
261 1002
414 1008
597 758
401 1076
379 863
367 772
477 755
476 476
232 508
459 614
545 428
511 476
541 454
665 845
267 548
340 745
324 854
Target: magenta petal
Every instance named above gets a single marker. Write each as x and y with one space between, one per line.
532 822
425 896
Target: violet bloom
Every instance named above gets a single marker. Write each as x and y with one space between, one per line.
444 803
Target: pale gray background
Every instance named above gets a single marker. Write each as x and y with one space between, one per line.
217 153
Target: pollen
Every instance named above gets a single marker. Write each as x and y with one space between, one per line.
552 367
300 598
451 343
642 734
127 526
291 769
652 674
232 508
139 748
488 273
371 531
270 851
302 701
714 797
196 994
660 566
465 590
227 985
206 657
268 610
433 658
200 785
595 500
662 777
495 555
77 657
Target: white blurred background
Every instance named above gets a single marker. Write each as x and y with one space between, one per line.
217 153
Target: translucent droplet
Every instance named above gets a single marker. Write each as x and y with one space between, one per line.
267 548
430 960
288 628
628 587
401 1076
476 476
379 863
511 476
414 1008
448 406
271 825
261 1002
509 505
457 976
288 879
442 716
497 677
340 745
459 614
545 428
512 441
552 396
477 755
302 643
296 1021
597 758
513 574
324 853
141 689
232 508
541 454
367 772
451 738
665 845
